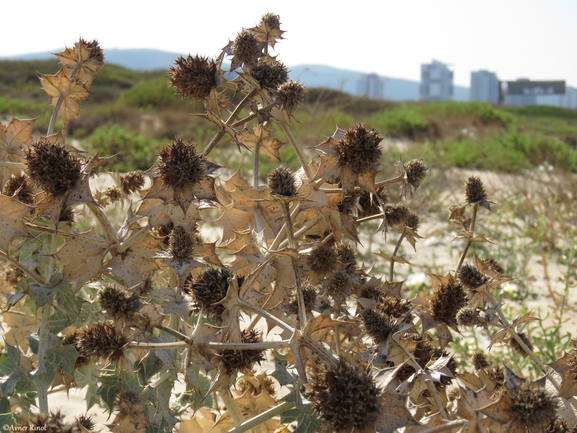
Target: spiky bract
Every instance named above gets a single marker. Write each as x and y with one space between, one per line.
359 149
282 181
180 165
344 396
193 77
52 167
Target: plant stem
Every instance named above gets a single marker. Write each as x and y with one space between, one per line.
469 241
394 254
32 274
108 229
264 345
262 417
267 315
231 406
60 101
297 149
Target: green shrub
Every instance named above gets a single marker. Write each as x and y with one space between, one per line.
138 152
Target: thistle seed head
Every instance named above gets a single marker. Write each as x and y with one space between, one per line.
416 171
179 164
282 181
270 76
413 220
272 21
193 77
369 204
180 243
52 167
494 265
393 306
101 340
291 94
378 325
118 303
359 149
323 259
309 296
397 214
479 361
96 52
246 48
344 396
468 316
20 187
471 278
234 361
534 405
114 194
346 254
338 285
54 422
446 301
132 182
474 191
85 422
208 289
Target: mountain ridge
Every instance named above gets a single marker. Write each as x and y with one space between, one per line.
311 75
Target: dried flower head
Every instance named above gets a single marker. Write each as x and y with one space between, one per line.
534 405
291 94
19 187
471 278
96 52
338 285
180 165
131 182
393 306
53 423
113 193
85 422
516 346
208 289
359 149
270 76
557 425
66 216
413 221
416 170
480 361
323 259
181 243
272 21
234 361
125 400
369 204
246 48
468 316
117 302
497 375
346 254
131 413
475 191
446 301
309 296
193 77
344 396
52 167
282 181
13 275
493 265
397 214
378 325
101 340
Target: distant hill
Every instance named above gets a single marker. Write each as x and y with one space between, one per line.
396 89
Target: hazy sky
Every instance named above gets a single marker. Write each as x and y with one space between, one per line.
534 39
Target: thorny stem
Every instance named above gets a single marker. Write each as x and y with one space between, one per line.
258 211
175 334
280 237
356 341
394 254
232 116
262 417
292 246
267 315
13 165
104 222
44 330
469 241
297 149
264 345
231 406
430 385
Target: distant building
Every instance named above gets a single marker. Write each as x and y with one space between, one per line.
519 99
569 99
371 86
436 82
484 87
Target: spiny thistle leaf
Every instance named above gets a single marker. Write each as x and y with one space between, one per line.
60 87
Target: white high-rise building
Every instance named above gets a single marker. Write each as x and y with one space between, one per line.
436 82
484 87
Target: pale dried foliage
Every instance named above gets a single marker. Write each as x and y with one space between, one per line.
127 310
